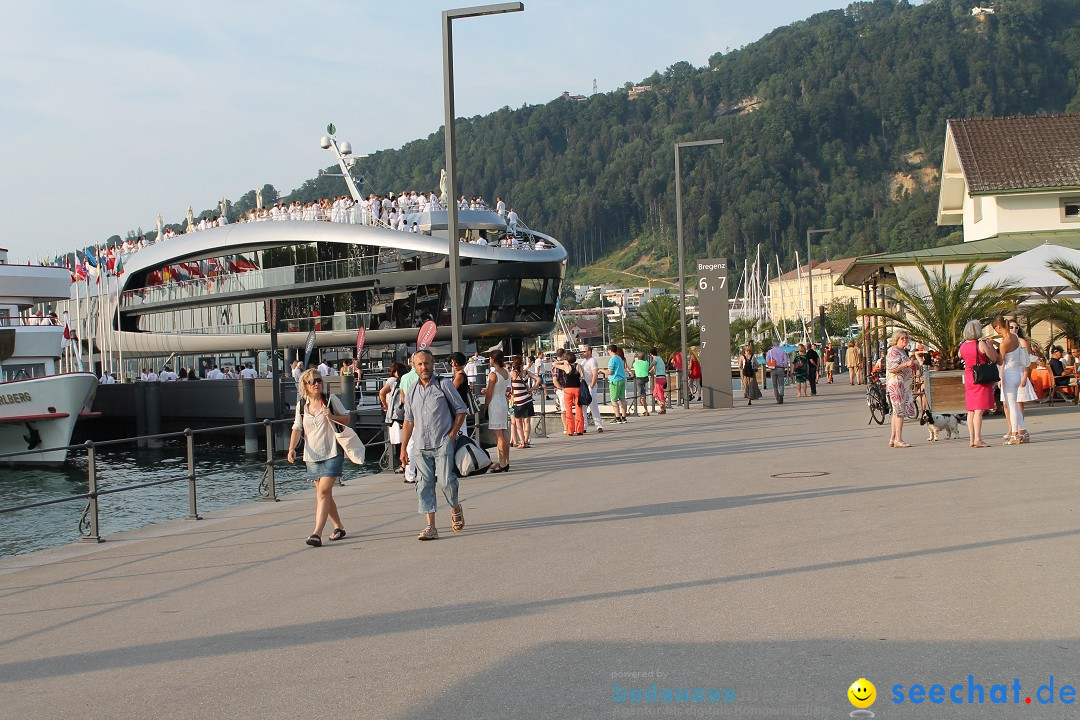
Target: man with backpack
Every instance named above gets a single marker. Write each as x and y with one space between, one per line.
434 414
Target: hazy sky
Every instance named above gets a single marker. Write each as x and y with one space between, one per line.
116 110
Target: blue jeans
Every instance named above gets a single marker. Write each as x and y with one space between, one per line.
428 463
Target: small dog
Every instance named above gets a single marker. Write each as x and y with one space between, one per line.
938 422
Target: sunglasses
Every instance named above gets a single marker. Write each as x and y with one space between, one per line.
316 381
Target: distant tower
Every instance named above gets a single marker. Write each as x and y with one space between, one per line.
594 86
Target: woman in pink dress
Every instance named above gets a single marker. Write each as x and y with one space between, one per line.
977 398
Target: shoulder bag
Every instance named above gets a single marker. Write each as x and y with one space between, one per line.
983 373
347 438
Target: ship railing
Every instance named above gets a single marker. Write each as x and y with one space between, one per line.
89 519
275 277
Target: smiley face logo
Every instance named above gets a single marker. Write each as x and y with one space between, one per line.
862 693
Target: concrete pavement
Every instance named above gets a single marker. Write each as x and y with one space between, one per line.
774 553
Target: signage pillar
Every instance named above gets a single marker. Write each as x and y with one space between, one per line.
713 321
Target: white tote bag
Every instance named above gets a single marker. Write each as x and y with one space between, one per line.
350 442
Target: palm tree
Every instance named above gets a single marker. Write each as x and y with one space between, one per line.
657 326
936 312
1063 314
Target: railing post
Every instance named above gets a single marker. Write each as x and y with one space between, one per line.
271 490
88 523
193 511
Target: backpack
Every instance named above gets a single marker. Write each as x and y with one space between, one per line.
469 458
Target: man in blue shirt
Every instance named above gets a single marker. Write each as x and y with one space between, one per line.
777 360
616 372
434 413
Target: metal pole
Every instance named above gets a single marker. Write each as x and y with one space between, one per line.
89 520
683 380
449 16
683 395
193 509
451 187
810 282
271 491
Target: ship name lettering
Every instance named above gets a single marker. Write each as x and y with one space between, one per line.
14 398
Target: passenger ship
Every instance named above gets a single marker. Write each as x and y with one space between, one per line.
39 404
203 295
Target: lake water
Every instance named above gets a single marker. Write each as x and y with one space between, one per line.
37 528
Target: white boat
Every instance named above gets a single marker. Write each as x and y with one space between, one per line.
39 405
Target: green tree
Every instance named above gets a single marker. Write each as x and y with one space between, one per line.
936 311
657 326
1062 313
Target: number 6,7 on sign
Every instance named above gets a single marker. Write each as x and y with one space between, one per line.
703 283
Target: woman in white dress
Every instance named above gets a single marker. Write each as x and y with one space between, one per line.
1013 376
498 409
1026 393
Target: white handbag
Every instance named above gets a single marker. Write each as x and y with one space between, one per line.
350 442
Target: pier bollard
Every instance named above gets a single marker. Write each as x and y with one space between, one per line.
88 523
251 437
193 508
153 414
140 414
271 490
348 396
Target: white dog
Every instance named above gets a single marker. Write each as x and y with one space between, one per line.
949 423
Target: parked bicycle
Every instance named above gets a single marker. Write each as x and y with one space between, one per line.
877 399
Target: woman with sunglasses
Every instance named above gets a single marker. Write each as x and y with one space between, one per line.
1026 393
314 412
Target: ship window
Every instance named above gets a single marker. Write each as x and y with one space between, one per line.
405 307
427 302
476 308
530 304
23 371
551 295
504 302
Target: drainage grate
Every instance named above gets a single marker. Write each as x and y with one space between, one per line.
800 475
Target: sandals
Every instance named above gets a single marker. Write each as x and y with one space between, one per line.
457 517
314 540
337 534
900 444
428 533
1014 440
499 469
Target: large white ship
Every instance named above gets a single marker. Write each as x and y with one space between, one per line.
38 404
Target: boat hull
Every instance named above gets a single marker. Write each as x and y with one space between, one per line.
40 413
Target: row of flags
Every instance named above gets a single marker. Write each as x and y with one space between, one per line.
197 269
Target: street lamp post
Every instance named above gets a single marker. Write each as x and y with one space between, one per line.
683 386
448 17
810 280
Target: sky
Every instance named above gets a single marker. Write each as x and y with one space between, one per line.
114 111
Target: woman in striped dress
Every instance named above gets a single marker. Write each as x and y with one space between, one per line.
522 385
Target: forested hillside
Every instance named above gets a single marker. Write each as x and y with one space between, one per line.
836 121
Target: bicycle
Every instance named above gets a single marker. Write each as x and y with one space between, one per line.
877 399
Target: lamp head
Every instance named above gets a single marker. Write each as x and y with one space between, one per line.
346 148
324 143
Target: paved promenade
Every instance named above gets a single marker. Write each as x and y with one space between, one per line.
776 553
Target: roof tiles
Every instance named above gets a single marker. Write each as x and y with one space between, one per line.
1019 153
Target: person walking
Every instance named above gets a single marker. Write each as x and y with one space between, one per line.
641 382
573 414
813 366
799 365
590 373
1013 375
694 373
616 372
322 455
498 409
462 385
392 403
899 374
748 371
854 361
434 414
777 361
830 363
978 399
659 372
523 383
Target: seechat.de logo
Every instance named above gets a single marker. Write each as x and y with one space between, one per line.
862 695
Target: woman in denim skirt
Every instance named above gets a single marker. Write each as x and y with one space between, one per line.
322 455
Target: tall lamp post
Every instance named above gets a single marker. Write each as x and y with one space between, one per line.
683 384
448 17
810 280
